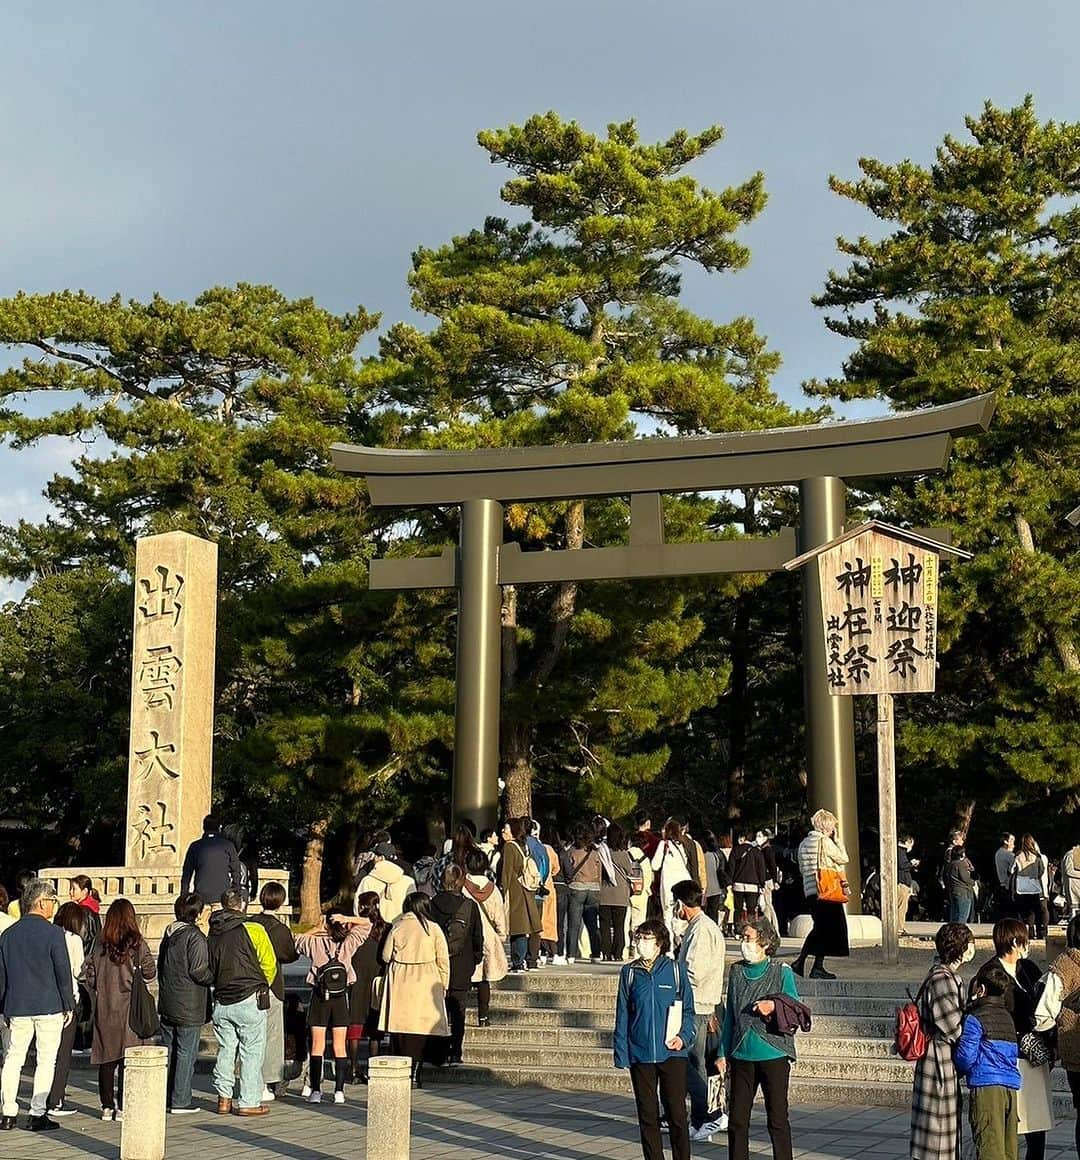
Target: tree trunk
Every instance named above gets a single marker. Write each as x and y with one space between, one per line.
311 882
516 760
1063 642
965 811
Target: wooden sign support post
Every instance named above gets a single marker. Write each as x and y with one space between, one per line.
886 765
879 590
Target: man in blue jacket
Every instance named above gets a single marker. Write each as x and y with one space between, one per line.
36 1001
211 865
654 1028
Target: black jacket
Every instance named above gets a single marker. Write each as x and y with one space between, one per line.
747 866
903 867
461 923
284 948
214 864
184 976
233 960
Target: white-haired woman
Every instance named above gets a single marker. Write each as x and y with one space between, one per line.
822 849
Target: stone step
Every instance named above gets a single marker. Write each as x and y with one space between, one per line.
854 1026
805 1089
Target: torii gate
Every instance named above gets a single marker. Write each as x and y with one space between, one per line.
818 458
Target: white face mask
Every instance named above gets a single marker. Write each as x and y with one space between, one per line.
647 948
969 954
752 952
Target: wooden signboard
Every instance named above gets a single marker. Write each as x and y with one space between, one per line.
879 606
879 590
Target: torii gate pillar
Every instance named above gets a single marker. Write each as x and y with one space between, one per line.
830 721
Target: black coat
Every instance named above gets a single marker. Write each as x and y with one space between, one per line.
450 909
215 866
747 866
184 976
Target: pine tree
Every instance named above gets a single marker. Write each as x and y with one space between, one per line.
976 287
567 328
213 417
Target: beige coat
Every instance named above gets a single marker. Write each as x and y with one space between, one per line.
391 884
414 993
549 913
493 915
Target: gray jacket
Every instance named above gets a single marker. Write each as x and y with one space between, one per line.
701 955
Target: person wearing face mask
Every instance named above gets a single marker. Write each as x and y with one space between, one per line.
654 1028
1034 1105
757 1055
763 841
1056 1011
935 1104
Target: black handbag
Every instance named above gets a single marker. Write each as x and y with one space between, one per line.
142 1014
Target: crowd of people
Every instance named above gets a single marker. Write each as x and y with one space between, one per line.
398 970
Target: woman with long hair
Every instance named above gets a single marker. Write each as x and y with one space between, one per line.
336 939
1029 882
583 875
822 849
363 998
110 970
417 977
73 920
522 909
614 893
670 863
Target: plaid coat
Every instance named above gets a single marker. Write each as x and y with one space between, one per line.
935 1104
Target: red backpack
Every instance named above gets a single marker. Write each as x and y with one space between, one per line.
910 1039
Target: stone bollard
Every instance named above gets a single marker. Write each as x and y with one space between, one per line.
389 1107
142 1135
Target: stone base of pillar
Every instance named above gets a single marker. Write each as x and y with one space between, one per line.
152 892
389 1104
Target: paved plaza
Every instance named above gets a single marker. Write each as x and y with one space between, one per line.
464 1122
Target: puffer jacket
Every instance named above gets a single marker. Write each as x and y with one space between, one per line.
645 998
184 976
987 1053
817 846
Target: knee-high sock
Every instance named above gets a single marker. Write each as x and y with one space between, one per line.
315 1072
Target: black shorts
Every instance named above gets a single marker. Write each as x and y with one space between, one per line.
332 1012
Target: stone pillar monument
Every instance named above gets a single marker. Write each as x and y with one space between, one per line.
170 751
172 697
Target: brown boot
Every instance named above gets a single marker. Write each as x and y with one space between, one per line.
224 1106
257 1110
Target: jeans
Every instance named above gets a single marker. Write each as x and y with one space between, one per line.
240 1027
183 1045
773 1076
45 1032
524 947
671 1078
697 1078
961 907
583 907
274 1060
613 932
562 902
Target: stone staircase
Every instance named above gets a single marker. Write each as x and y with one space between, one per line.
552 1028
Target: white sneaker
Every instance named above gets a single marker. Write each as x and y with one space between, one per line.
717 1125
701 1135
108 1114
61 1111
119 1117
339 1097
570 960
315 1098
183 1111
268 1096
558 960
305 1091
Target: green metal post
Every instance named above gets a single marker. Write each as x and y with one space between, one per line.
476 727
830 721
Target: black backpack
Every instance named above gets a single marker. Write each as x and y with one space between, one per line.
456 933
331 979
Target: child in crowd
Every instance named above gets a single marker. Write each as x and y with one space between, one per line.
987 1054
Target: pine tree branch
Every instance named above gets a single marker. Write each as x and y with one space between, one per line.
91 364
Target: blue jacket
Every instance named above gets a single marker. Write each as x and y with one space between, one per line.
987 1052
35 970
645 997
540 856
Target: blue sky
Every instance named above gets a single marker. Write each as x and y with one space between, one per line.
313 146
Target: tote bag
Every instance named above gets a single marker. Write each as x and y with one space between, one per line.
832 885
142 1014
